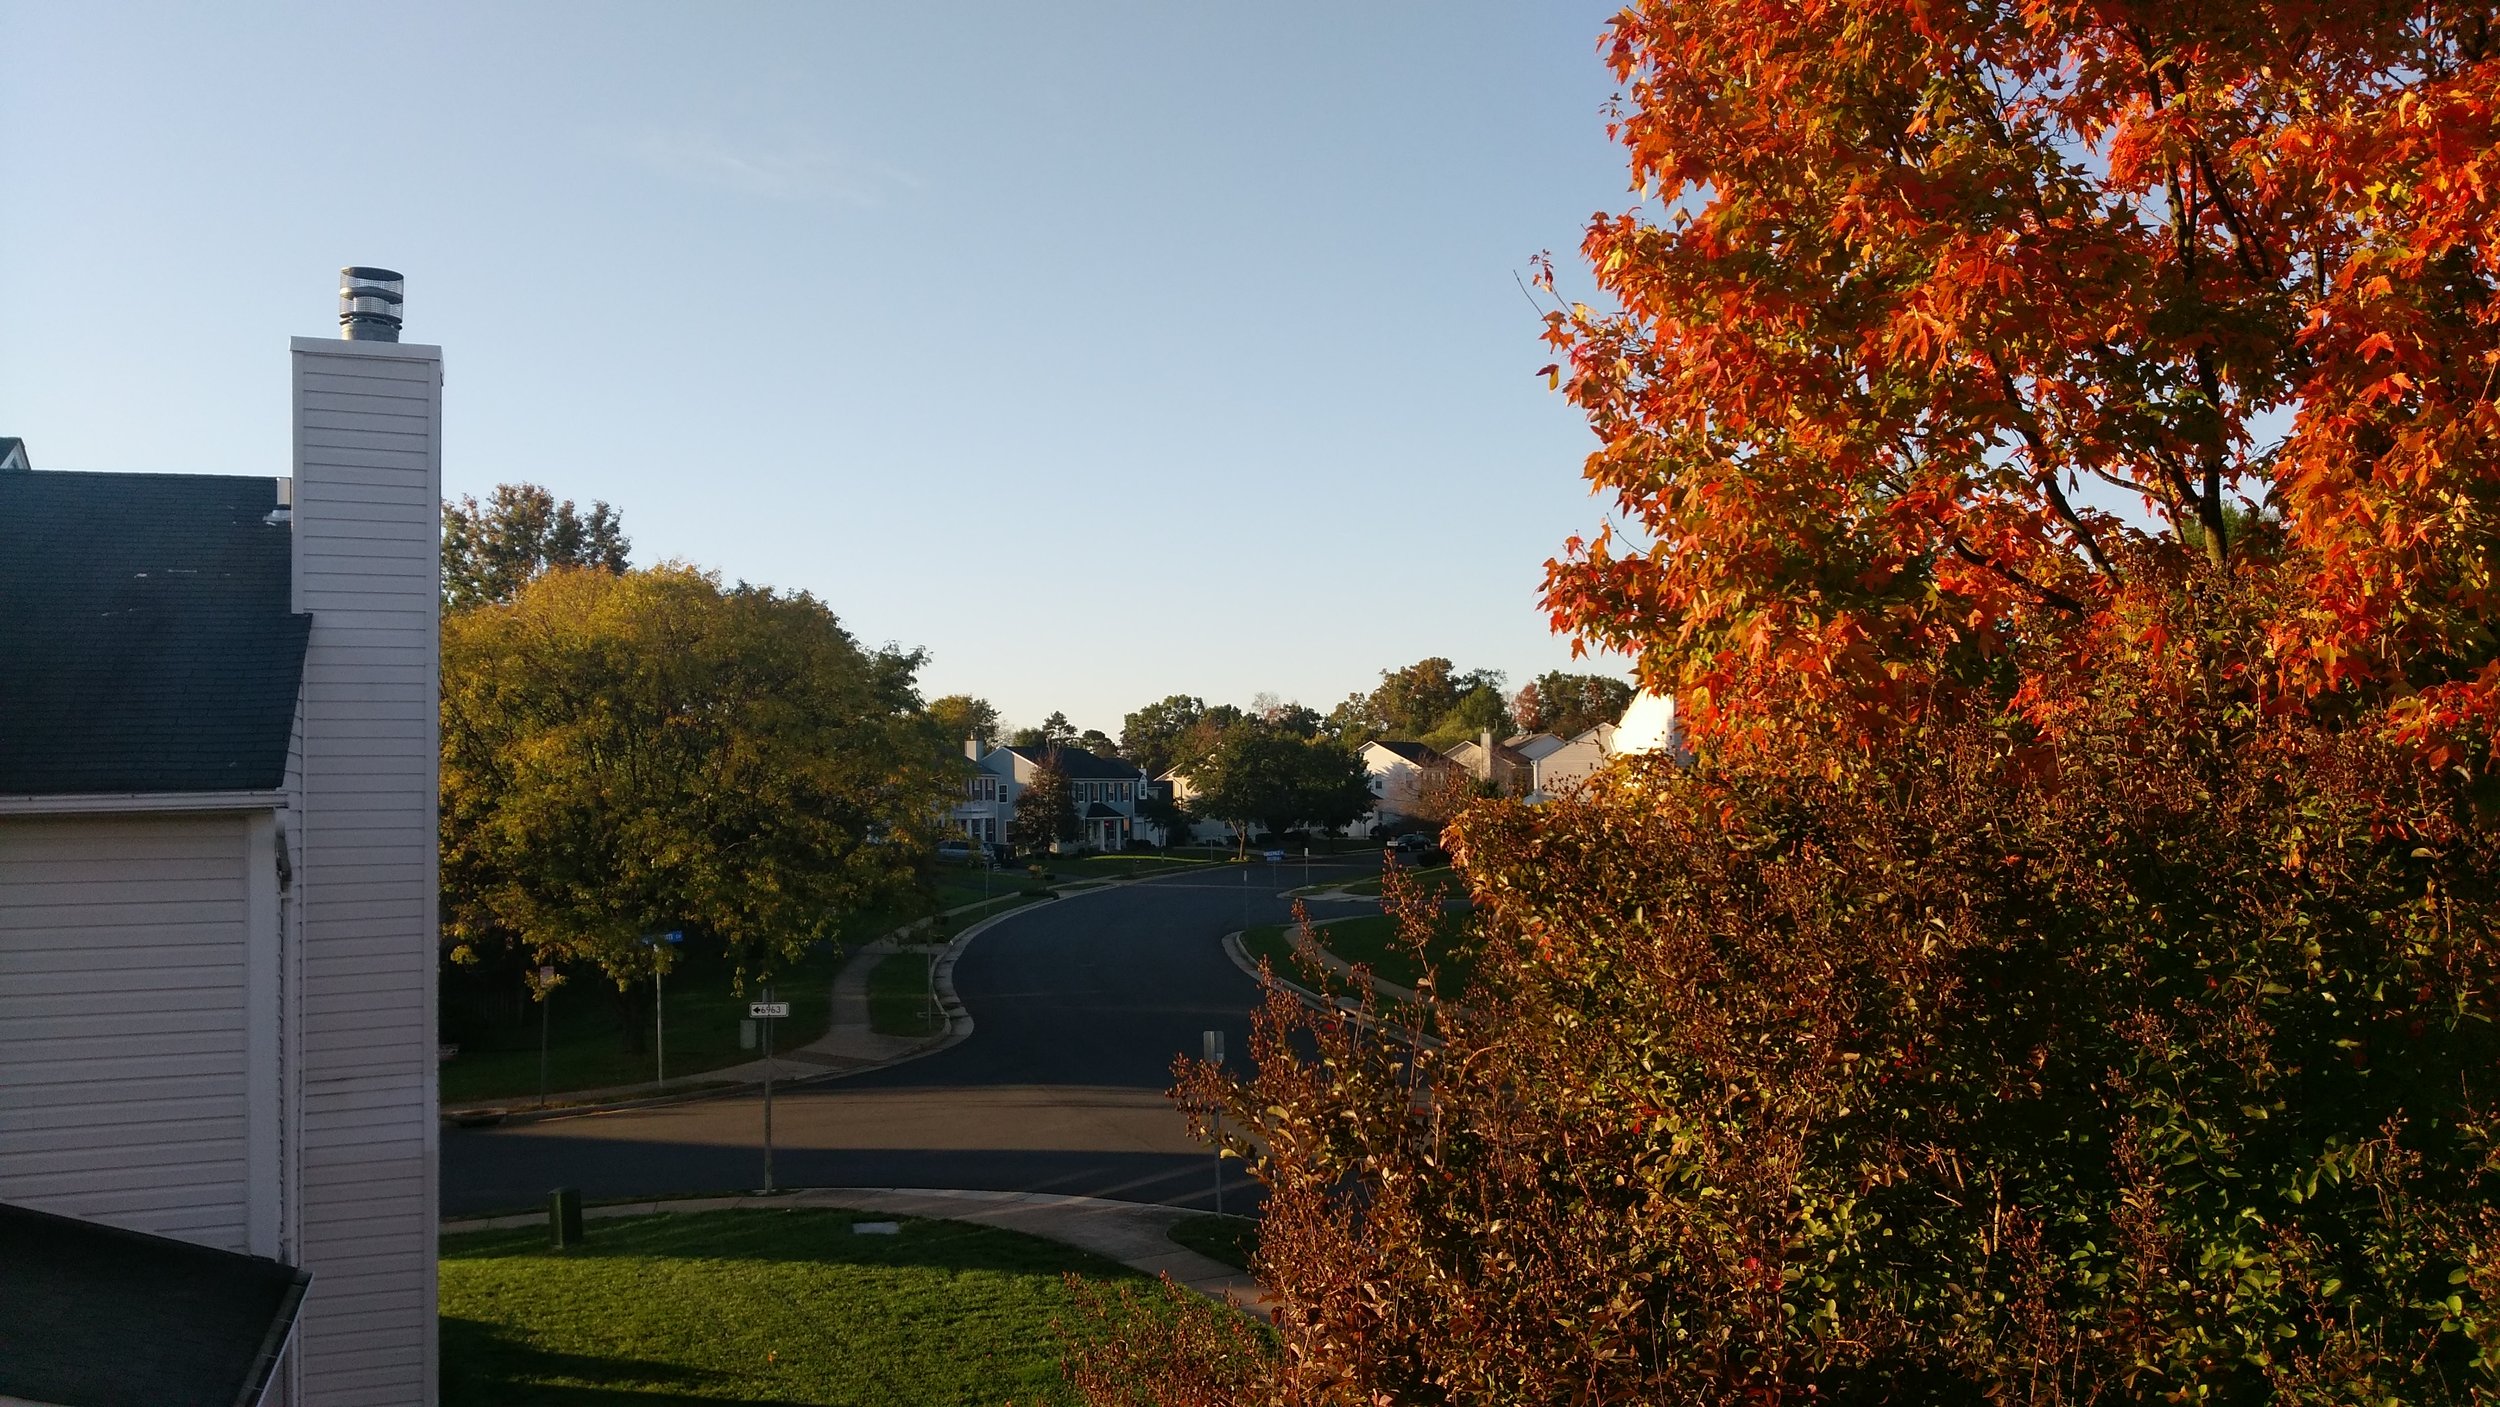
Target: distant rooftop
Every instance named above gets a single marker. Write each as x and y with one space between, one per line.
1077 764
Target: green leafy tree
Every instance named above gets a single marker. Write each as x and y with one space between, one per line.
492 550
1478 711
1568 705
1355 722
1421 698
1333 787
1045 812
962 716
1258 776
624 753
1151 736
1054 731
1097 742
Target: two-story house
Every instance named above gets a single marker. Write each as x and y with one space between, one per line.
218 707
1106 792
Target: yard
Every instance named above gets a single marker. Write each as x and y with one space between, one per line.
774 1308
498 1033
1371 939
899 1000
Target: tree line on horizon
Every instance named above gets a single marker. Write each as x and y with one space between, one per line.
1281 766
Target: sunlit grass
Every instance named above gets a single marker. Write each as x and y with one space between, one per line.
762 1307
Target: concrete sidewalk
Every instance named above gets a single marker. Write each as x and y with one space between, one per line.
1136 1234
848 1046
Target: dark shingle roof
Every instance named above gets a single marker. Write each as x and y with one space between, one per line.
1076 764
1096 811
1414 752
115 1318
146 626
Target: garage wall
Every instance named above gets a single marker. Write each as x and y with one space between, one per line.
127 956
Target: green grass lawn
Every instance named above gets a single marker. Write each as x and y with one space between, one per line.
1127 864
1441 882
586 1047
586 1044
772 1308
1371 939
1229 1239
898 997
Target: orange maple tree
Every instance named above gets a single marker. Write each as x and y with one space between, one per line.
1950 337
2054 453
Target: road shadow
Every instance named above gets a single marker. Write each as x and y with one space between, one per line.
513 1171
486 1365
805 1235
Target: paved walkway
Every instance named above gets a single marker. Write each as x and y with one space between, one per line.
849 1044
1136 1234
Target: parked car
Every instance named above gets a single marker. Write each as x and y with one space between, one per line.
1416 849
954 852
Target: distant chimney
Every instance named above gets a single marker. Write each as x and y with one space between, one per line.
369 303
972 747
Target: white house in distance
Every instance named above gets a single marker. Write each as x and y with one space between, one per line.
1403 776
1106 792
218 717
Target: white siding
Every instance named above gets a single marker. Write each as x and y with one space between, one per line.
126 947
368 493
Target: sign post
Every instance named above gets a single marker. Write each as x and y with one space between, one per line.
768 1011
546 990
1211 1044
659 996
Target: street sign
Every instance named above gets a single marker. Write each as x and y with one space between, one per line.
1211 1043
546 977
763 1010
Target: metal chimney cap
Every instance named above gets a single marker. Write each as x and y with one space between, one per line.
369 303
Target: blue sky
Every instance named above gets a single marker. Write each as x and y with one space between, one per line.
1105 351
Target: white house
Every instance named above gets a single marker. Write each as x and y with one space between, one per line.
1107 792
1570 760
1404 779
217 854
1498 763
1649 726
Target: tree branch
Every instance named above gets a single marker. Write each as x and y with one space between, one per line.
2044 472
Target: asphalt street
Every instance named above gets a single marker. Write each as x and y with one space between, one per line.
1079 1008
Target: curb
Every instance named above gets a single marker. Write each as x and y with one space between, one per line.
959 1025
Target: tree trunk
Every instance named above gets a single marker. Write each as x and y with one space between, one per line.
635 1014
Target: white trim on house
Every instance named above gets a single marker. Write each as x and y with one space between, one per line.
151 803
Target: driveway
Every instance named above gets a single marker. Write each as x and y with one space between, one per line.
1079 1008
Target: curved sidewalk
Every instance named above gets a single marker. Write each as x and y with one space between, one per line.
1136 1234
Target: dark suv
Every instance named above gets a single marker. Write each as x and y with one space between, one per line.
1416 849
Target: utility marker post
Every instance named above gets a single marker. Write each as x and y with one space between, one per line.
768 1011
1211 1044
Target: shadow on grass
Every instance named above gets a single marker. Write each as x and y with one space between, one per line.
483 1362
810 1235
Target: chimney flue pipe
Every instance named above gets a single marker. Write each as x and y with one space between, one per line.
369 304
